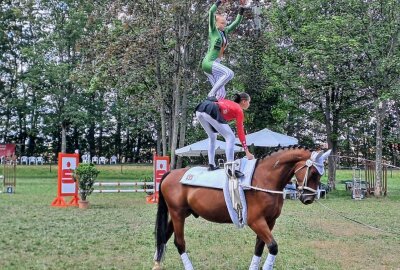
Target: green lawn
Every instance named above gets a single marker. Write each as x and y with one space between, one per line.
117 231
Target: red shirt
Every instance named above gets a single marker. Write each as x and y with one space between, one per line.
231 110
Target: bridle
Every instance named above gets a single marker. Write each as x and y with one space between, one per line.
303 185
316 160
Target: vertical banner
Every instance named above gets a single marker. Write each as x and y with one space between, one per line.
7 150
67 186
161 166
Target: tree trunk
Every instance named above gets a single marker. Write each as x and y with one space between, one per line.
187 84
63 138
7 123
159 136
128 150
138 147
100 141
175 119
76 139
117 139
380 110
330 123
160 98
182 133
91 140
177 93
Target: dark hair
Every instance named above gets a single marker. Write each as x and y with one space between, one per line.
242 96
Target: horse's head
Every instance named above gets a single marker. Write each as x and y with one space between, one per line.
308 173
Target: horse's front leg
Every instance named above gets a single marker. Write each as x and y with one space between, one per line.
261 228
258 251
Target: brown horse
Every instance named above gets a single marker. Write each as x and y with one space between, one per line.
264 201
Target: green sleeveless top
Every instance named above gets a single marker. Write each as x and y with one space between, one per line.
215 38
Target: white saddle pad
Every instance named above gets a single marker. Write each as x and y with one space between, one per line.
200 176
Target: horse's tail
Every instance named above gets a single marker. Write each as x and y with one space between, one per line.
161 223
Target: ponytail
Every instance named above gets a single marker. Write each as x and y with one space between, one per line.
239 97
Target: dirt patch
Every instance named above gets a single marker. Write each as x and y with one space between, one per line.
354 255
343 228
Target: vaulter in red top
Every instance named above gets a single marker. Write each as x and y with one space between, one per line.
213 116
232 111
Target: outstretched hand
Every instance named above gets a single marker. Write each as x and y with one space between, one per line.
249 155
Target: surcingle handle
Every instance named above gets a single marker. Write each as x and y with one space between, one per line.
230 169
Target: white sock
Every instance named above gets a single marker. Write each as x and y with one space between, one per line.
255 263
269 262
186 261
155 253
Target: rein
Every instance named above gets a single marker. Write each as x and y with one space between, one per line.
301 187
262 189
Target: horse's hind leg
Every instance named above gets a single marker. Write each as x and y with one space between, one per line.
178 220
258 251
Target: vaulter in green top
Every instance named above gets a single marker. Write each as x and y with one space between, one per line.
218 74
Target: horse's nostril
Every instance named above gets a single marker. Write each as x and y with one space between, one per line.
307 202
306 199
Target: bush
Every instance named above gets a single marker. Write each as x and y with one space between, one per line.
86 175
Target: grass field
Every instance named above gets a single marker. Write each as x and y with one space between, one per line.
117 231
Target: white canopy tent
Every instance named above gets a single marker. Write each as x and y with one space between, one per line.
200 148
268 138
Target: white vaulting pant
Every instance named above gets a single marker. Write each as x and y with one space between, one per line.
220 76
207 122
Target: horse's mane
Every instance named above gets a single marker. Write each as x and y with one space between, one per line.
284 148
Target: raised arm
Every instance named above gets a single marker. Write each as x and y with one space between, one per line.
211 16
238 19
231 27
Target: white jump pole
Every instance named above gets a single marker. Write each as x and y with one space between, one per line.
122 190
135 186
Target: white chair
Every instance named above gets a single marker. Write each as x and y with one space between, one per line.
24 159
32 160
290 190
102 160
95 160
86 158
113 159
319 191
39 160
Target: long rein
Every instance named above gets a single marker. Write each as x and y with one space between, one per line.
261 189
303 186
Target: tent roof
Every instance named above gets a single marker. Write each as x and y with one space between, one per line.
201 148
268 138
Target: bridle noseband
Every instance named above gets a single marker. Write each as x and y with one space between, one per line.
303 185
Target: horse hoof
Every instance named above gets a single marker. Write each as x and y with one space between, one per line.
157 266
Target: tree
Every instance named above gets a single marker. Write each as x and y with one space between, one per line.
380 22
317 52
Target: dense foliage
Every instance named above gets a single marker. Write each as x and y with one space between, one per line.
123 77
